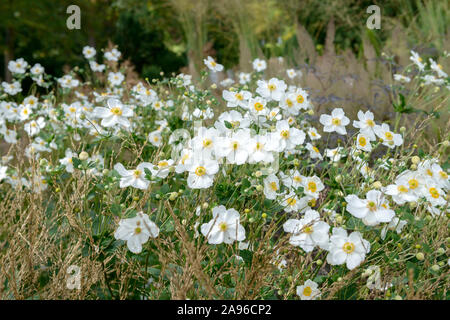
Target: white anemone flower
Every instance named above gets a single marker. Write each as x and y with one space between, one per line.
213 65
288 137
271 90
113 55
417 60
291 73
136 231
390 139
363 142
308 291
224 227
235 99
201 172
312 186
115 114
115 78
437 68
34 126
89 52
259 65
372 210
18 66
67 160
335 122
162 168
235 147
271 186
308 232
349 249
134 178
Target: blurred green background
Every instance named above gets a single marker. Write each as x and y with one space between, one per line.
167 35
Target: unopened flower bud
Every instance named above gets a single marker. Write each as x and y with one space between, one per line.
84 155
377 185
173 196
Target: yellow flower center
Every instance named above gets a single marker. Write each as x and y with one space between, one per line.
300 98
116 111
312 203
307 291
239 96
235 124
315 149
371 205
312 186
291 201
388 135
370 122
207 142
308 230
258 106
336 121
223 226
413 183
289 103
284 134
258 146
274 186
434 193
348 247
163 164
137 173
234 145
362 141
402 188
200 171
297 179
137 230
443 174
185 157
271 87
429 172
213 63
